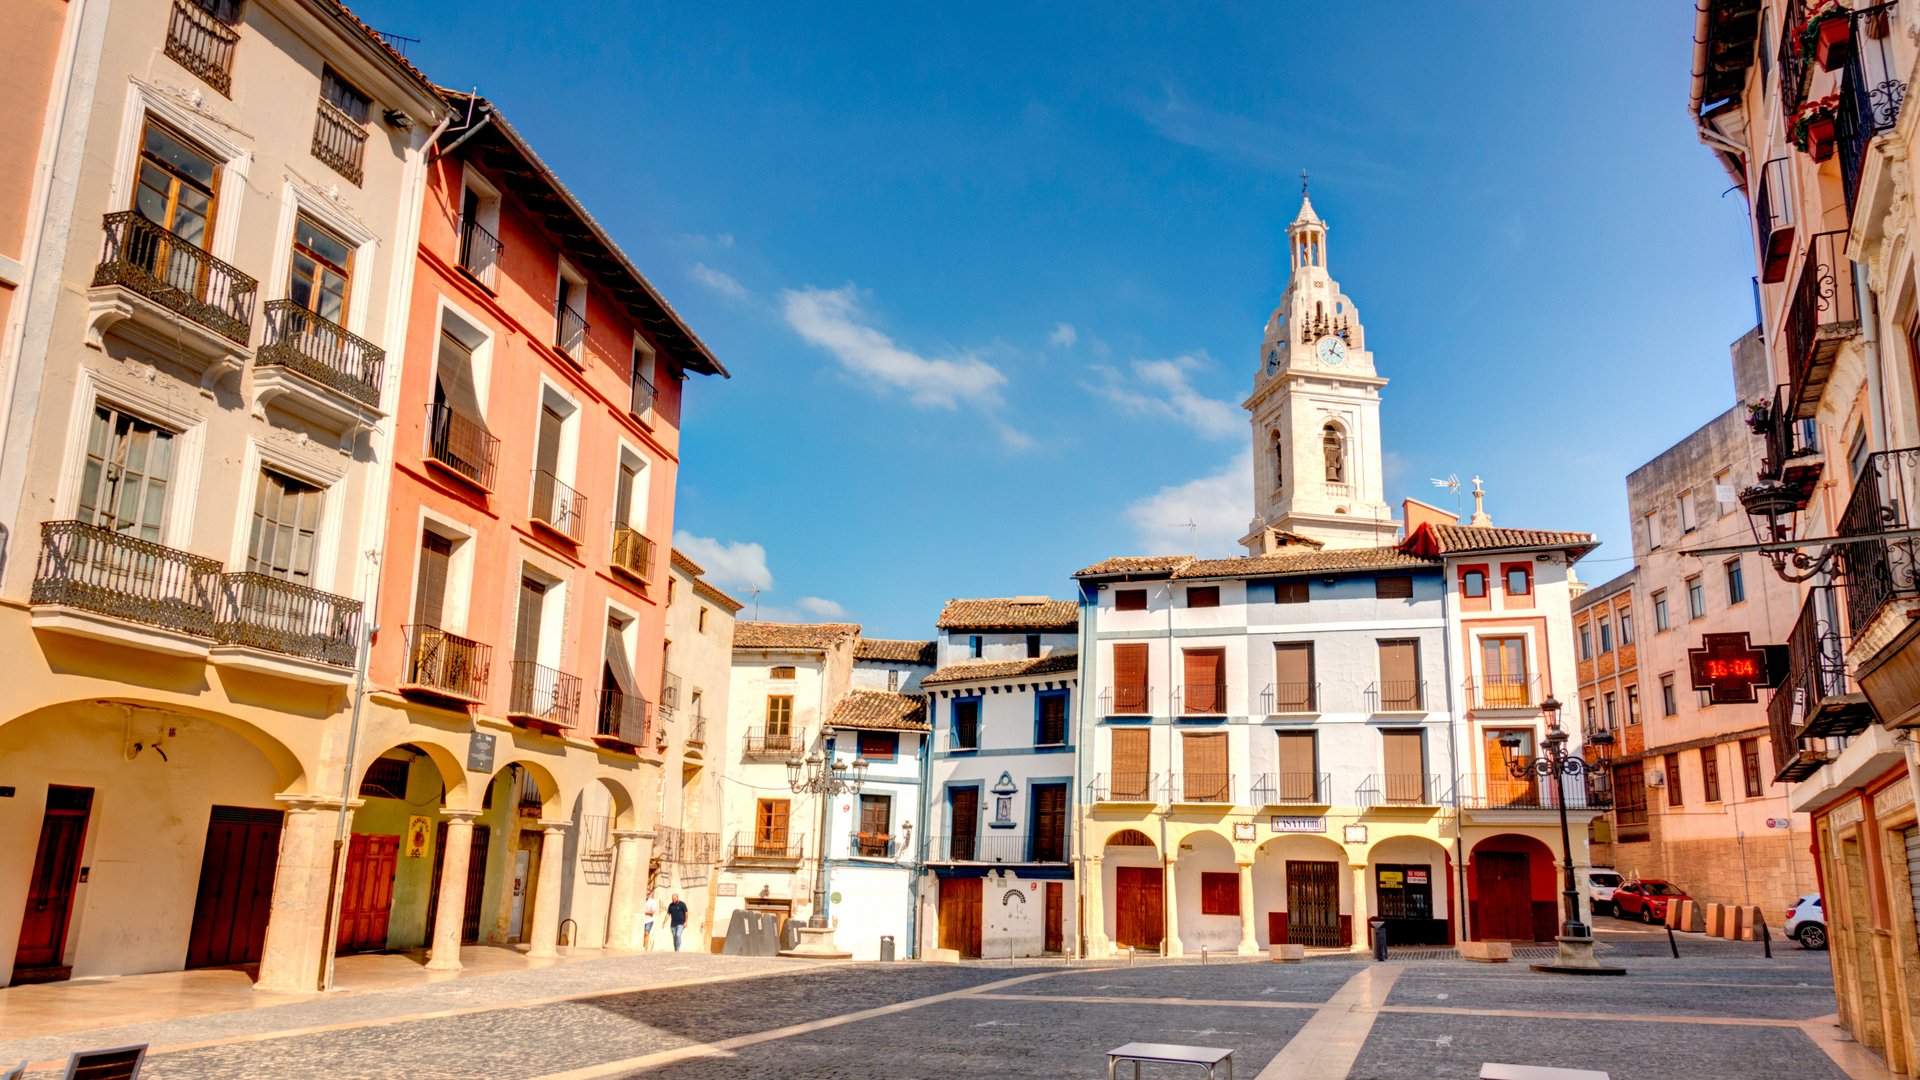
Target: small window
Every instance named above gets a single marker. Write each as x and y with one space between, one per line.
781 673
879 745
1289 592
1519 581
1661 619
1203 596
340 130
1593 717
1652 522
1626 627
1750 767
1736 582
1050 727
966 723
700 623
1723 493
1688 519
1676 791
1473 583
1393 587
386 779
1633 706
1606 636
1219 893
1130 600
1586 644
1710 772
1607 711
640 380
976 646
1669 704
1696 599
1033 646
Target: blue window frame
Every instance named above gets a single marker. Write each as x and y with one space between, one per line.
964 729
1051 713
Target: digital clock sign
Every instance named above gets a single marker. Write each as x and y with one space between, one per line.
1730 669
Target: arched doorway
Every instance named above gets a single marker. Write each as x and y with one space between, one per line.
1131 871
1512 890
1411 881
1302 893
396 848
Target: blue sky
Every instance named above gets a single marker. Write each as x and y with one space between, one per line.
992 279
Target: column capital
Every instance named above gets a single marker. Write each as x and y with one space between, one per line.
633 834
307 803
555 826
1244 864
459 814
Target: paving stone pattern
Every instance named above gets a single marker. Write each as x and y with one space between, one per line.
1454 1047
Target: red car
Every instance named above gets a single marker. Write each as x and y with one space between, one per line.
1647 897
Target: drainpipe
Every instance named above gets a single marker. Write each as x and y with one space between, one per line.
1168 915
917 868
1453 754
334 897
474 128
1870 338
1084 642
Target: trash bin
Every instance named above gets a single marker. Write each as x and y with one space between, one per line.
886 947
1379 928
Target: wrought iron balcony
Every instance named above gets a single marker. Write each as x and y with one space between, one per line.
1871 94
446 665
543 698
263 612
1792 463
109 573
1201 787
1794 67
339 141
748 848
462 445
697 731
632 553
301 340
1291 699
1399 789
1496 692
557 506
1201 699
641 398
1132 787
1293 789
997 846
623 721
200 37
1823 312
1817 700
669 693
1126 700
480 253
1773 219
781 745
1883 570
145 258
569 331
1397 696
1594 792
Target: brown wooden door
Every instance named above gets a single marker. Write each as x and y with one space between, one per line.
1293 687
1131 751
1502 788
1299 775
366 901
1139 914
1505 908
960 915
963 817
1056 917
1203 759
1048 842
1399 676
1313 903
1205 689
1406 767
56 872
236 887
1129 680
770 828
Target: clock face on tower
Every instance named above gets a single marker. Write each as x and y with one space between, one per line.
1273 359
1332 351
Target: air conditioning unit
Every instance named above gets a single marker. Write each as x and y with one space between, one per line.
1656 778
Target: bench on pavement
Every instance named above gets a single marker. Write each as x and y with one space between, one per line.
115 1063
1496 1071
1206 1057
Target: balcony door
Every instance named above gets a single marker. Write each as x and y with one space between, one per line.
770 828
1129 679
1203 759
1503 673
286 519
1293 677
1299 774
1502 788
1048 842
321 267
619 717
1399 675
1206 678
963 818
178 184
127 474
430 591
1405 755
1127 767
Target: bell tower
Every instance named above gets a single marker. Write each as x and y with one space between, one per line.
1315 410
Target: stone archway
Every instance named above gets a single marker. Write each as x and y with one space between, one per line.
1303 892
1512 891
1410 879
1132 880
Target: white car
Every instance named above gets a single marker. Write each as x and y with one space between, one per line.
1807 922
1601 882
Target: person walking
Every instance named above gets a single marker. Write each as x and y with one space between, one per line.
677 919
652 908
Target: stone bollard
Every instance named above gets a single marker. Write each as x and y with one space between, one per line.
1716 921
1747 917
1487 952
1692 919
1286 954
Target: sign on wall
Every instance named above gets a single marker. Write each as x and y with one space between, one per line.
480 752
1730 669
1298 824
419 828
1245 830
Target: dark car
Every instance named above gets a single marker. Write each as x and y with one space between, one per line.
1646 899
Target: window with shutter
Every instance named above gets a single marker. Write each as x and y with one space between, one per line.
1048 836
1203 596
1404 754
1052 724
1750 767
1710 772
1129 763
1130 600
875 835
1203 759
125 475
1400 689
879 745
1129 680
1298 756
1393 587
1293 683
1289 592
430 592
1219 893
770 827
966 724
963 820
1676 790
1205 689
533 602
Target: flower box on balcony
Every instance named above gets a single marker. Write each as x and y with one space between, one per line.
1812 128
1827 35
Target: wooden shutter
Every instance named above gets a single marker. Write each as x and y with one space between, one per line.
879 745
1049 841
429 601
546 452
1131 757
1203 758
454 383
770 826
1130 600
1393 587
1053 720
1206 676
1399 675
526 639
875 812
1203 596
1406 766
963 820
1299 772
1130 678
623 495
1289 592
1293 677
1219 893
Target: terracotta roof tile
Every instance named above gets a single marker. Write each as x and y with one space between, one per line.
1458 539
810 637
979 670
1135 564
880 710
1010 613
911 652
680 560
1305 562
703 587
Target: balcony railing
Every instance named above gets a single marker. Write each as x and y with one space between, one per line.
1291 699
995 846
463 445
632 553
1126 700
558 506
569 331
1504 692
1823 699
262 612
872 845
542 696
1823 311
1202 787
669 693
1534 793
201 35
697 730
1399 789
1124 787
1791 466
641 395
446 665
1201 699
767 849
759 744
109 573
339 141
480 252
149 260
1397 696
623 718
1794 66
300 340
1773 219
1880 571
1871 93
1293 789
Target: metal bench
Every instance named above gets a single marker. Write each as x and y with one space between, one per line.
1205 1057
1493 1070
116 1063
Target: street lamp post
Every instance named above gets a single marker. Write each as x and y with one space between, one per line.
817 774
1576 937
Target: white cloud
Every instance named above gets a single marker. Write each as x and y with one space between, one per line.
1217 505
730 564
820 607
1162 388
718 280
1015 439
832 319
1064 335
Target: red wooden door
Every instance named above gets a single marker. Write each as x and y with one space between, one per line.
56 871
960 915
1056 917
366 902
236 887
1139 917
1505 909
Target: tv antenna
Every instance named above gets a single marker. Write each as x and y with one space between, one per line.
753 592
1451 483
1192 528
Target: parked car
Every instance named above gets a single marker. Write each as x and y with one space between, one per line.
1646 899
1807 922
1601 881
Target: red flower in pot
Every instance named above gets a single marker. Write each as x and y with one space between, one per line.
1812 128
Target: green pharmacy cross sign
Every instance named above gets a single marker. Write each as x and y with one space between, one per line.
1730 669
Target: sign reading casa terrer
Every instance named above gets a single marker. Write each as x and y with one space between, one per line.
1730 669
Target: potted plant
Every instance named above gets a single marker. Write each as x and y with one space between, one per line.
1812 127
1759 414
1826 34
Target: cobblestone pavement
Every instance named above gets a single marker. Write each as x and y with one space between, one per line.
1719 1011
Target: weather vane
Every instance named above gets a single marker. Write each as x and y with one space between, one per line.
1303 183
